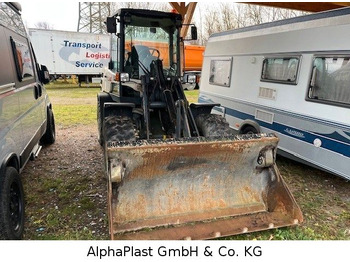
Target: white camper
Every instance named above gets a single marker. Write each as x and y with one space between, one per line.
290 77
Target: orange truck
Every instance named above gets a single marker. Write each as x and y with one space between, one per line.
193 60
193 66
193 57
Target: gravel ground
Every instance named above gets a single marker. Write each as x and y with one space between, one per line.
66 189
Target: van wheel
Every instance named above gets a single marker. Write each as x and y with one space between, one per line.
249 130
50 135
11 205
119 128
213 125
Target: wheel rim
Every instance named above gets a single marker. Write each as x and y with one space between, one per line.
15 206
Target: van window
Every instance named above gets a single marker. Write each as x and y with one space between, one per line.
23 60
280 69
11 19
330 79
220 71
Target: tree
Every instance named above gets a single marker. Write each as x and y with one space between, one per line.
226 16
43 25
143 5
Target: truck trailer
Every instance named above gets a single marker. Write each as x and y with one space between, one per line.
71 53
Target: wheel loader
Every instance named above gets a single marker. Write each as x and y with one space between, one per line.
174 169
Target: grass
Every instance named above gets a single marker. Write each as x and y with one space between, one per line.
323 198
73 105
192 96
77 105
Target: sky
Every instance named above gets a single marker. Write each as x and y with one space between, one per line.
62 15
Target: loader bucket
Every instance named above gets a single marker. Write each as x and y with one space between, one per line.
196 188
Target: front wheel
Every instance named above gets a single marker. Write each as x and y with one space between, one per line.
119 128
50 135
11 205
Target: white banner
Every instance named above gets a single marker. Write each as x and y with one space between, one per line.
169 251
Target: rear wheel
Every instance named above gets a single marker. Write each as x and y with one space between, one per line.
213 125
119 128
249 130
11 205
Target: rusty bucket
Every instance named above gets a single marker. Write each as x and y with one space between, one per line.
196 188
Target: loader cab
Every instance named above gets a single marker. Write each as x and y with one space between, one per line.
140 37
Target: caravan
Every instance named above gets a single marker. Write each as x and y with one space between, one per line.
290 77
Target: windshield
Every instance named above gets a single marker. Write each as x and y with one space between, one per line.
143 45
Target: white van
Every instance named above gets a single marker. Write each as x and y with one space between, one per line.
291 77
26 117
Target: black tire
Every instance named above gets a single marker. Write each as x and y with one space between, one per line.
99 123
119 128
50 135
213 125
11 205
250 130
102 98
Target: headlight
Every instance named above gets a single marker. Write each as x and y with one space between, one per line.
191 79
124 77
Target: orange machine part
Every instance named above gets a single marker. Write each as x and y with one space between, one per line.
193 53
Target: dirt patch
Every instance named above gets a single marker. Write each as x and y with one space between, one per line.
65 188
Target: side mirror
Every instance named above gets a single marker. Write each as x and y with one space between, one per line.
193 32
44 75
111 25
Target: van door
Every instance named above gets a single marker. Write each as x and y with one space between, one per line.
10 128
29 92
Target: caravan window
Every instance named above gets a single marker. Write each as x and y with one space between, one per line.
220 71
280 69
330 80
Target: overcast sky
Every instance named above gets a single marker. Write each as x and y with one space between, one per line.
62 15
